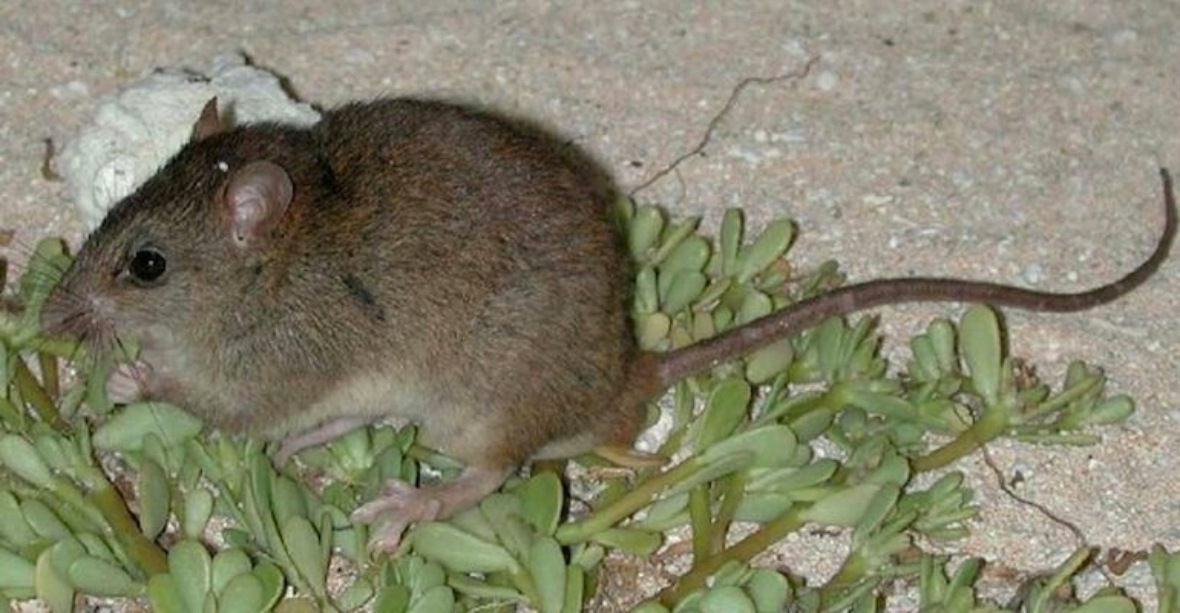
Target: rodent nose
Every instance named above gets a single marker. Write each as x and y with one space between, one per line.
66 313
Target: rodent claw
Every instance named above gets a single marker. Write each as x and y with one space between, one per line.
401 504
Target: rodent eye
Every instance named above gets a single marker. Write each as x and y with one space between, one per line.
147 265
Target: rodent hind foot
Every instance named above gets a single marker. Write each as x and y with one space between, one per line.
401 504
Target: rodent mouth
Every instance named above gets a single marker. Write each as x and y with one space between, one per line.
68 315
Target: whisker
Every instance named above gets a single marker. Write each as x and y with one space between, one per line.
121 348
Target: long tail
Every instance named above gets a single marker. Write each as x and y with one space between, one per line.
706 354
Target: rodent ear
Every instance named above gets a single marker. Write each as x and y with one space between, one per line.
256 198
208 124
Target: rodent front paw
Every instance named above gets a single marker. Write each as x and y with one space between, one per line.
128 382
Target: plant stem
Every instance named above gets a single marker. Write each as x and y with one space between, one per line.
734 490
36 397
1040 597
701 521
851 572
49 373
146 554
583 529
11 415
1063 398
744 551
990 425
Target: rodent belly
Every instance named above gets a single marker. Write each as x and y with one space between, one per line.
369 396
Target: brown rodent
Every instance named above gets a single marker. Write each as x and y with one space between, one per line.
412 259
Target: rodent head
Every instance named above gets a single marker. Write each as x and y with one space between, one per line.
168 254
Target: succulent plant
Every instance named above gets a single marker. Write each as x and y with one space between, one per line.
140 501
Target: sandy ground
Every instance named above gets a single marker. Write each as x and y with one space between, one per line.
1016 142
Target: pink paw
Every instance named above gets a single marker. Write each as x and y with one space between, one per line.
128 382
399 505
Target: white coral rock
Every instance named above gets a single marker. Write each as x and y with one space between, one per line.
138 130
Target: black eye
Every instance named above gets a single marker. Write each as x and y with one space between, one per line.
147 265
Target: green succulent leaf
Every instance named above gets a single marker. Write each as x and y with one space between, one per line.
303 544
227 564
127 430
771 446
460 551
769 591
437 598
639 542
192 571
243 594
727 599
101 578
844 507
1112 410
541 500
645 231
1108 604
474 522
769 246
652 329
15 571
770 361
575 589
673 236
755 305
465 585
51 585
982 349
154 498
198 508
286 500
21 457
689 255
13 527
164 595
392 598
504 513
272 582
44 268
299 604
44 522
762 507
546 564
730 239
726 407
683 289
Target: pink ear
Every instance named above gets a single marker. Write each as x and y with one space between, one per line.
256 199
209 123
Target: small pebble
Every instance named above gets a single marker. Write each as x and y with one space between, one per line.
826 81
1034 274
